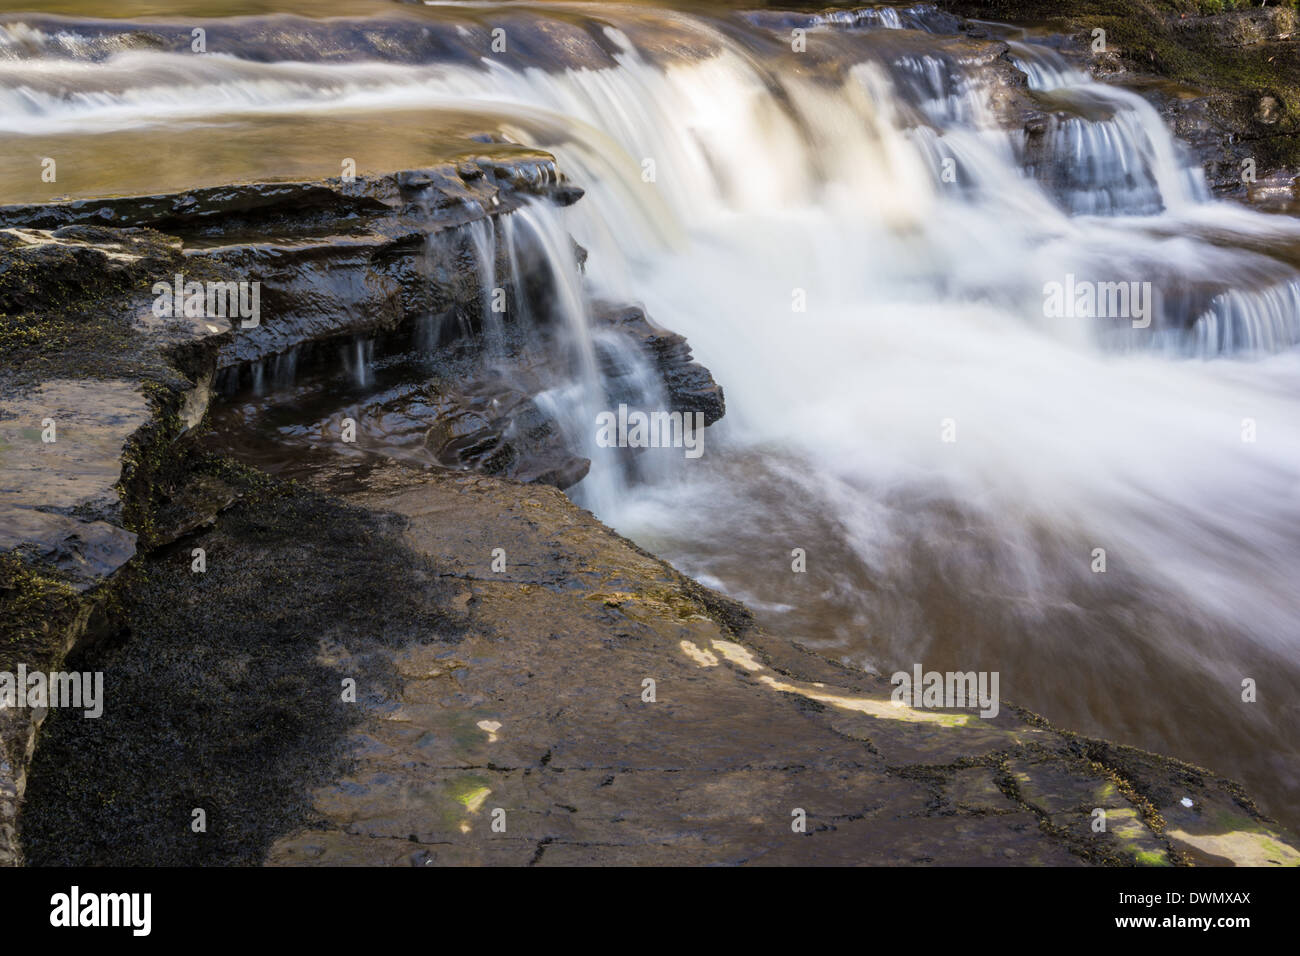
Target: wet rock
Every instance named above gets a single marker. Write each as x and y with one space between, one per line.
502 432
518 695
44 268
483 425
689 386
1278 192
92 396
1226 82
449 194
187 719
331 258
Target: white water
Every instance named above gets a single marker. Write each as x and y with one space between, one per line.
924 305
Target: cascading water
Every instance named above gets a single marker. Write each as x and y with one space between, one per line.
584 388
1115 156
859 250
483 241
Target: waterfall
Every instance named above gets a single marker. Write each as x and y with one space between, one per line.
359 359
482 240
1119 160
598 365
860 247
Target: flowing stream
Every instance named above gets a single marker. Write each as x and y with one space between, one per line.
857 243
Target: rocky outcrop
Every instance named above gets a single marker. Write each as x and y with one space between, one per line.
99 388
332 258
90 403
689 386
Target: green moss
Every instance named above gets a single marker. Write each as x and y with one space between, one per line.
1228 822
43 315
1211 7
468 790
36 605
66 312
1152 858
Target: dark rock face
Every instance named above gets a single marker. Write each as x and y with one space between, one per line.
333 258
230 713
374 267
689 386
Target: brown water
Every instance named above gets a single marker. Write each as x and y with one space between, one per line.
147 161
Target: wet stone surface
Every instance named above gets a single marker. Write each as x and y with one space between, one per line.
516 696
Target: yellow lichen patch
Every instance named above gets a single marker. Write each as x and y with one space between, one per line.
649 608
1242 847
738 655
612 598
885 709
699 655
473 799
